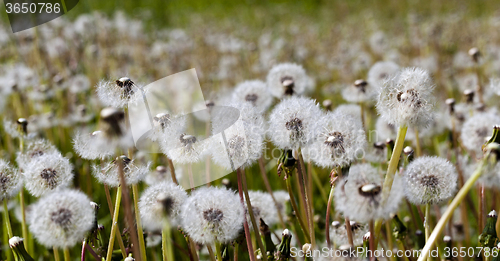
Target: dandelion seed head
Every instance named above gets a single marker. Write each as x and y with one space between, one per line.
109 173
429 180
263 208
360 91
253 92
47 173
359 195
380 72
117 93
406 99
10 180
292 122
212 215
340 138
61 219
93 145
477 129
352 110
159 203
162 174
339 233
287 79
35 149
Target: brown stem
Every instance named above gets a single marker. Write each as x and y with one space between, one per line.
371 240
270 190
248 237
349 231
172 170
327 218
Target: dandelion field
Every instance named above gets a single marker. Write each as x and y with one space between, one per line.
361 126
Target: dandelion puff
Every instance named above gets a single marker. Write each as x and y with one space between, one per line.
384 130
253 92
406 99
160 122
352 110
180 146
287 79
61 219
429 180
93 145
212 215
10 180
339 141
263 208
292 122
339 233
242 143
477 129
359 195
35 149
46 173
490 177
360 91
380 72
13 129
282 198
117 93
161 203
109 173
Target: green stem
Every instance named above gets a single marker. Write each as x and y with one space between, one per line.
211 253
56 254
66 254
327 218
166 242
391 171
417 143
23 217
307 199
219 252
140 233
256 228
451 208
296 209
427 227
114 225
7 219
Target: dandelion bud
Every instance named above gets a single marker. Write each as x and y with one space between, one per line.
489 235
409 153
306 248
474 54
366 236
129 258
283 249
23 125
327 104
17 246
469 96
400 231
420 238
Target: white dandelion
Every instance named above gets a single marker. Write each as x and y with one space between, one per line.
339 233
360 91
287 79
406 99
429 180
118 93
477 129
10 180
35 149
109 173
61 219
47 173
292 122
161 203
263 208
380 72
339 141
212 215
254 92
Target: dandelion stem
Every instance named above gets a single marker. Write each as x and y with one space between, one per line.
24 228
211 253
218 251
391 171
114 225
166 242
252 216
172 170
248 237
371 240
307 198
327 218
66 254
236 249
451 208
56 254
417 143
480 220
270 190
7 219
427 223
140 233
296 209
110 205
349 231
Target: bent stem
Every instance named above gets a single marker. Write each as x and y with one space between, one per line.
252 217
166 242
114 225
391 171
248 237
451 208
